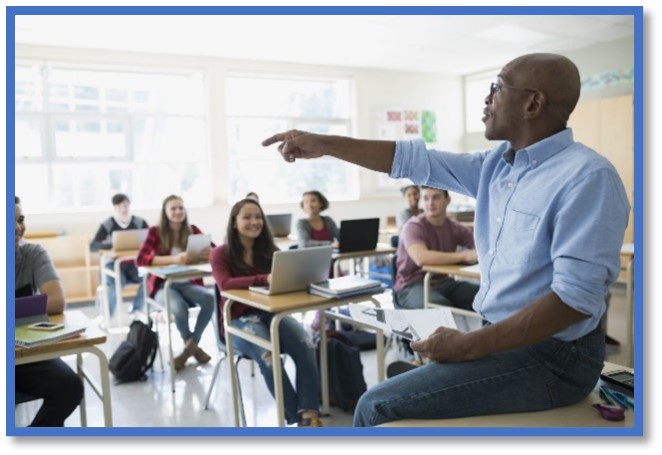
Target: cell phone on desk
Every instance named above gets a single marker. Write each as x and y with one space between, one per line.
46 326
621 378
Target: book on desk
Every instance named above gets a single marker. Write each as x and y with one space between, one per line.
181 269
27 337
346 286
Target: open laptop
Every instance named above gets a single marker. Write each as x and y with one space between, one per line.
31 309
358 235
294 270
129 239
280 224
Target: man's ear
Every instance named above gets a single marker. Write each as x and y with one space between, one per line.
535 106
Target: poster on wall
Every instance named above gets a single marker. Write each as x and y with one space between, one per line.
405 124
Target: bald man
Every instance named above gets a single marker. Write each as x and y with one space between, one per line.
550 219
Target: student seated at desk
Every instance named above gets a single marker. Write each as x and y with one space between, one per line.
122 220
413 195
51 380
316 229
431 238
243 261
165 245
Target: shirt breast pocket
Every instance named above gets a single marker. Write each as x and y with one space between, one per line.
519 237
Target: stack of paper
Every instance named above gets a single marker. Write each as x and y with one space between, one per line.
346 286
27 337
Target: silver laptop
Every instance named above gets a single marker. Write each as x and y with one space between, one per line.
280 224
129 239
294 270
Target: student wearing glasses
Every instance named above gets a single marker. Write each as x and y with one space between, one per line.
51 380
550 219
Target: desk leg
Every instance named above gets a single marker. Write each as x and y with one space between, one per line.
104 285
118 293
105 385
83 405
336 268
166 300
104 393
426 289
324 364
232 366
381 373
277 369
629 294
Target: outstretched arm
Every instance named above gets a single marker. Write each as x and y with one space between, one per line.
371 154
534 323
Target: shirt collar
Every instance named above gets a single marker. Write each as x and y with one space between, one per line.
542 150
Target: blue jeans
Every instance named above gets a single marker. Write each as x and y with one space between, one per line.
295 342
452 293
128 274
543 376
184 296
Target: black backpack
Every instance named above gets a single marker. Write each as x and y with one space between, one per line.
346 382
135 356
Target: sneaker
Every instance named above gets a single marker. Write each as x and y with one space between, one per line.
313 421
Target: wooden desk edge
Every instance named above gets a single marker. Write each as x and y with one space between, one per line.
556 417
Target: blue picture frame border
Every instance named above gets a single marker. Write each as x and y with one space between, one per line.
635 11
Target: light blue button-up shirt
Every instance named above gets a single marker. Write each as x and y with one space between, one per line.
550 217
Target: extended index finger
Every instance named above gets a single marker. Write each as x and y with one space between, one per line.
280 137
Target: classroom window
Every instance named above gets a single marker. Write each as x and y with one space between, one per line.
88 133
258 107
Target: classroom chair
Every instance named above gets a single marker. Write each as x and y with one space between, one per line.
217 321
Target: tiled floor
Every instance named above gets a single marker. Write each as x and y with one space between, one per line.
151 403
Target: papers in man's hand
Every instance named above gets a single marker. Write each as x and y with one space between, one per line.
415 324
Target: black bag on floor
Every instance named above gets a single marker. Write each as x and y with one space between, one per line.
346 382
135 356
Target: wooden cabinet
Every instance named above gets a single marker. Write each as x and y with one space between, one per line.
77 266
607 126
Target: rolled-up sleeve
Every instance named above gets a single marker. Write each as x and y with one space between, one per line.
587 238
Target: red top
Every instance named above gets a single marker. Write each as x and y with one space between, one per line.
322 234
225 279
152 247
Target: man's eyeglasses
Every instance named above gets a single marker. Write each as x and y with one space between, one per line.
494 87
